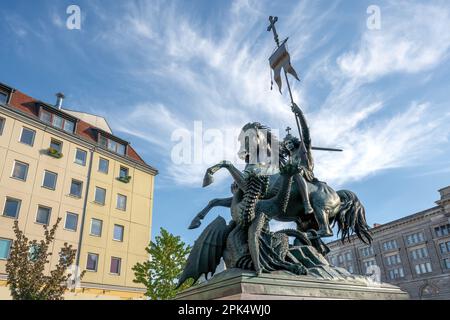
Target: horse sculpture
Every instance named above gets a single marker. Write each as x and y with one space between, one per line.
262 192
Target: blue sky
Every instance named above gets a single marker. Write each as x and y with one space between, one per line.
153 67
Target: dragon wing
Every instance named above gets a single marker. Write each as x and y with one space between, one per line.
207 251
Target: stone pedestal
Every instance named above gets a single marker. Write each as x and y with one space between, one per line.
237 284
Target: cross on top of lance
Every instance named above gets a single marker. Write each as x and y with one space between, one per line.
288 129
271 27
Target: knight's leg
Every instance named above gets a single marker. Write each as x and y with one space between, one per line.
303 188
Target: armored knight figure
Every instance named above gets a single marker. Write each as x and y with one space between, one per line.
299 152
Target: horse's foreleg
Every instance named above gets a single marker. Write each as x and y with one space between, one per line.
222 202
235 173
321 215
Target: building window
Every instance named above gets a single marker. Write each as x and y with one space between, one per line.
57 121
123 173
56 145
368 263
115 265
396 273
76 188
5 247
341 258
92 262
444 247
350 269
71 221
333 260
121 202
20 170
422 268
12 208
80 157
96 227
447 263
112 145
2 125
27 136
348 256
3 97
394 259
43 215
49 181
118 232
103 165
415 238
443 230
390 245
367 251
100 195
419 253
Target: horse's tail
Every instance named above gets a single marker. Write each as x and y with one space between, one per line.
352 218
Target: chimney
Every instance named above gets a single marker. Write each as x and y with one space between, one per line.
59 100
376 225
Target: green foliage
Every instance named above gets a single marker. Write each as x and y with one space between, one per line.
27 279
168 255
124 179
54 153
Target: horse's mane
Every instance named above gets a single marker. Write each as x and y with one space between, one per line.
272 140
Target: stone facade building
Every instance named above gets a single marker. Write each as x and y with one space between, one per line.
412 252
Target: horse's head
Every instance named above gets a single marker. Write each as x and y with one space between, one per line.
257 144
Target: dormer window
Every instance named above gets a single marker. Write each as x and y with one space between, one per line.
112 145
3 97
57 121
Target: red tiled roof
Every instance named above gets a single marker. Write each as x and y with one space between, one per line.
30 106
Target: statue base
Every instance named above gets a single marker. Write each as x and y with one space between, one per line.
238 284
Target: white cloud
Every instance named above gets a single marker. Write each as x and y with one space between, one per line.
412 38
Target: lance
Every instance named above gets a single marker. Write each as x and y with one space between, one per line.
272 28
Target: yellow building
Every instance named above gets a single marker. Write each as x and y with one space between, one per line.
57 163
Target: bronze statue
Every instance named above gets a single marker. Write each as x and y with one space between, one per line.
283 189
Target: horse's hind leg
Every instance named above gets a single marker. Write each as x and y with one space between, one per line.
220 202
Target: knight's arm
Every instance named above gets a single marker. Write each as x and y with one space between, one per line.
304 126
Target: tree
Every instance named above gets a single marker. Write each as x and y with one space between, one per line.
27 279
168 255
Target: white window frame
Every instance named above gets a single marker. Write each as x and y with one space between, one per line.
81 191
96 265
9 250
117 202
32 141
85 158
65 221
95 196
107 167
56 141
123 232
18 207
43 180
101 228
2 125
26 171
120 266
49 215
